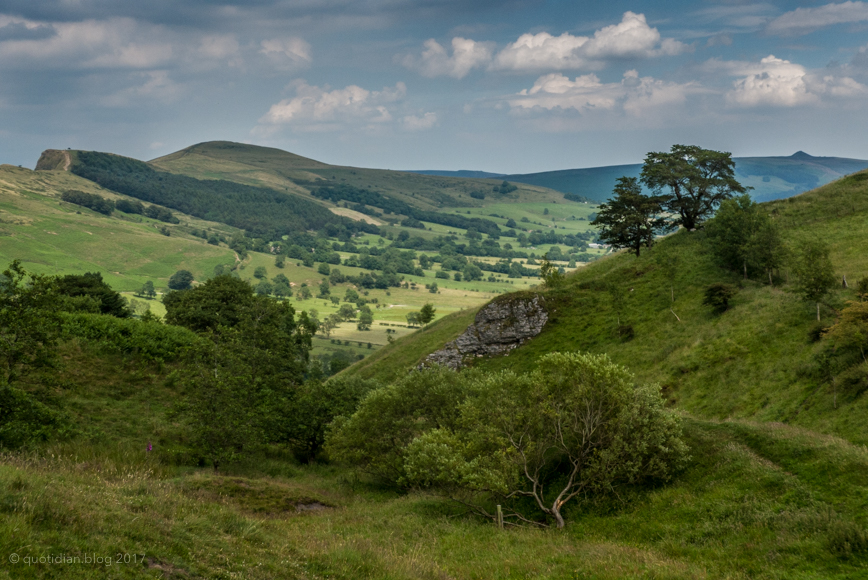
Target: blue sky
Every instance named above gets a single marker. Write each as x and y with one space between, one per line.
507 86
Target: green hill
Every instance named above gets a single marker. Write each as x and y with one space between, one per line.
275 168
771 177
52 236
756 361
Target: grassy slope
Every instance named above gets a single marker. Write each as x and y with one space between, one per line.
412 349
757 501
281 170
755 361
52 236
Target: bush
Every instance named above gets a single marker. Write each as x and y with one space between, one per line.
150 340
88 200
817 331
718 296
316 406
576 427
127 206
88 290
626 332
25 421
181 280
376 436
160 214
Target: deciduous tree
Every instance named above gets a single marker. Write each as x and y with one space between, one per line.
814 270
630 219
576 427
692 180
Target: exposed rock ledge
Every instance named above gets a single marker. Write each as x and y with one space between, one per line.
502 325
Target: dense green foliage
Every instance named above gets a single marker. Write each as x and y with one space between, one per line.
316 405
814 269
630 219
260 211
130 206
91 293
575 427
180 280
376 436
744 237
692 180
89 200
220 301
718 296
25 421
28 323
152 341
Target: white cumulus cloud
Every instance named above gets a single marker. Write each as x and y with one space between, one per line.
318 108
775 82
805 20
631 38
585 94
436 61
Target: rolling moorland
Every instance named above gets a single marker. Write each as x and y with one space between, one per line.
775 486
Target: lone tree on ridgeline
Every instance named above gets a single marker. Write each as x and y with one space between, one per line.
693 181
630 219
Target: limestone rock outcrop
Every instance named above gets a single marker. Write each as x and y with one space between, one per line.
502 325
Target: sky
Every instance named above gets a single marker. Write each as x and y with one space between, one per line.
514 86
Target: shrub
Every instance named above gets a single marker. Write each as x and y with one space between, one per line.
576 427
376 436
25 421
718 296
316 406
181 280
150 340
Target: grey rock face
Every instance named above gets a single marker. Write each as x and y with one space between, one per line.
499 327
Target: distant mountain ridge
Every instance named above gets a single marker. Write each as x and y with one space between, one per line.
459 173
771 177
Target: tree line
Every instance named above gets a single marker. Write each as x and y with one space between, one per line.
260 211
105 206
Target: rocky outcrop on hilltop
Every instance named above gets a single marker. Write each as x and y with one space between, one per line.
502 325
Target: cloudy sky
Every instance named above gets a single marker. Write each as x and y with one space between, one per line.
509 86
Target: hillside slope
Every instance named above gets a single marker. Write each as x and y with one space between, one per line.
51 236
755 361
264 166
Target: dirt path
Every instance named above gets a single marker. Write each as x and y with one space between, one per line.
67 161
